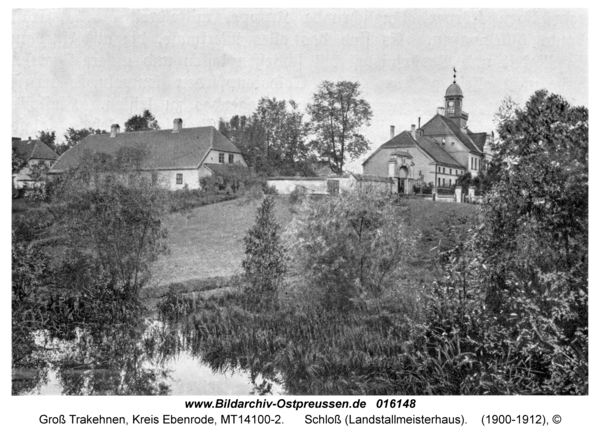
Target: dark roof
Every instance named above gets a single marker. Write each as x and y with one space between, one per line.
402 140
478 139
432 149
437 153
227 169
450 127
164 149
454 91
33 149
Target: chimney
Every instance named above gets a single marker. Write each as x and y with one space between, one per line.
392 131
419 123
29 137
441 111
114 129
413 131
177 125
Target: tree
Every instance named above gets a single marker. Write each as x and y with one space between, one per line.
112 217
264 264
273 139
517 295
48 137
337 114
143 122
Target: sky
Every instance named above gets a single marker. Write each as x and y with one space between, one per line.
93 68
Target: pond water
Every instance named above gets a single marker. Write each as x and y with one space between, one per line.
152 360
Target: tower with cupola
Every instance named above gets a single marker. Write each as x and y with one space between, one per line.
454 105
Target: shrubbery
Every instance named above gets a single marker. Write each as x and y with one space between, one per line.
106 220
425 189
349 247
515 296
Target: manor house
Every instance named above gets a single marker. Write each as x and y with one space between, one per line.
438 152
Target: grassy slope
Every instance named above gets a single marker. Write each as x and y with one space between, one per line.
208 242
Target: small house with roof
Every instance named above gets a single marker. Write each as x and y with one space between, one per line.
437 153
175 158
33 152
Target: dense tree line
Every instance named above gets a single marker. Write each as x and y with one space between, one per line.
276 140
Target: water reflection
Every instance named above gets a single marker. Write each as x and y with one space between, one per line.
149 358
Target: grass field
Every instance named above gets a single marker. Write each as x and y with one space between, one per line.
209 241
207 245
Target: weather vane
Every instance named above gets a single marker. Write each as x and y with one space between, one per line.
454 74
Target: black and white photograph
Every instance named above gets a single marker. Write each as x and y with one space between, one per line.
259 203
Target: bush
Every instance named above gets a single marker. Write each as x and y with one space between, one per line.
111 215
234 178
514 300
425 189
349 246
181 201
296 199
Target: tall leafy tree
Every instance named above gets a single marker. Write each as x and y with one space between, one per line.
48 137
519 299
337 115
145 121
273 138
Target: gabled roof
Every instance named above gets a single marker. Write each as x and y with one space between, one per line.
33 149
437 153
428 146
185 149
402 140
440 125
478 139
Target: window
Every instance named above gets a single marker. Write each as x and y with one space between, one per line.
230 158
179 179
444 182
450 171
221 157
439 181
443 170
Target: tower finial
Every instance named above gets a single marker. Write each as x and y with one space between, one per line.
454 75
